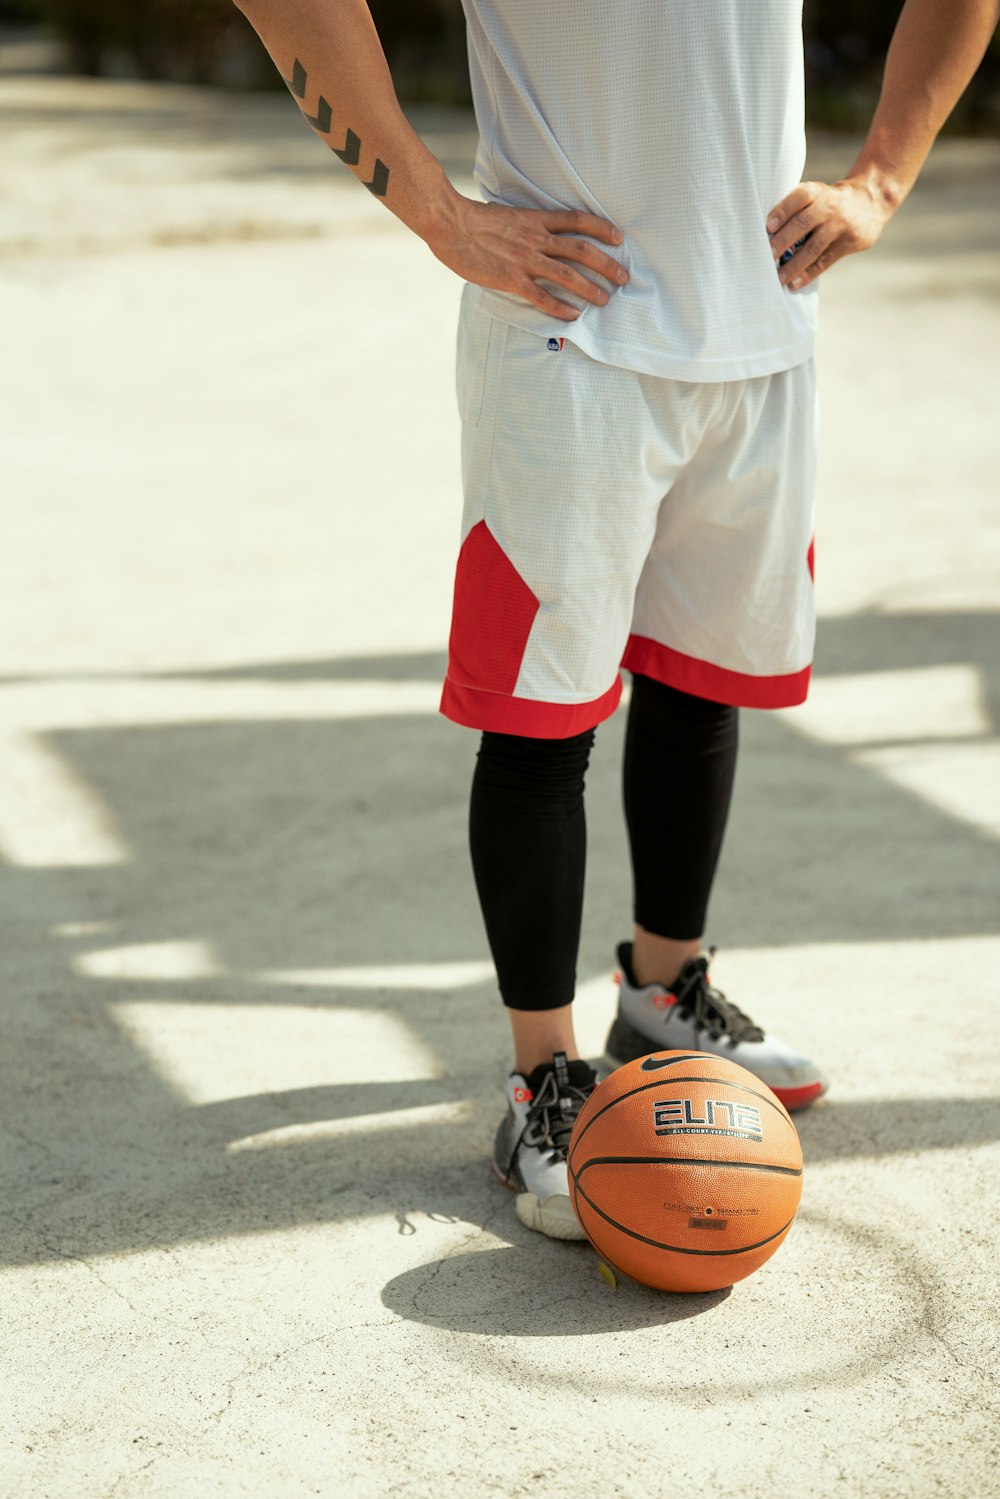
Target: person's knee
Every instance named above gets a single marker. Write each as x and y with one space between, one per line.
551 769
668 707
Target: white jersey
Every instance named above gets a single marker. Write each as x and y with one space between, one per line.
681 121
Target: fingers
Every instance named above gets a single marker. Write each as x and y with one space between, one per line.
565 247
526 246
786 220
801 226
820 223
813 258
563 274
546 302
562 248
577 222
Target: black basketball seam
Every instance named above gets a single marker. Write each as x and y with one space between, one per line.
644 1087
676 1248
683 1160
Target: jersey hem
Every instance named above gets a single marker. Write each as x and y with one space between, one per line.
648 361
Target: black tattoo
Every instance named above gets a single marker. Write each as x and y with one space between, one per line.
380 180
323 118
351 154
297 84
322 121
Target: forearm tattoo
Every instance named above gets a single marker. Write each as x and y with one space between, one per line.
322 120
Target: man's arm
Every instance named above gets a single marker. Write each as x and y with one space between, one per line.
329 54
936 48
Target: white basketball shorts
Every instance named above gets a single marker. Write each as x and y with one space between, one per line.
619 519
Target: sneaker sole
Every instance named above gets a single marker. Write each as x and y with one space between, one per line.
799 1098
555 1223
628 1041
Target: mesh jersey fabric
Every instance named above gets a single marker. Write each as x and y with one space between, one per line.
682 123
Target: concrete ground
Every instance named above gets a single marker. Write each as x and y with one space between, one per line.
253 1053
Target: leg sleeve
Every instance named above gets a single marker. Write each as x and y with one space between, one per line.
679 767
528 838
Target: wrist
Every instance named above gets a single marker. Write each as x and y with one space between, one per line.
881 186
435 210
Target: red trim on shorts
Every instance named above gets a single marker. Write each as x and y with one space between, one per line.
502 714
811 559
716 683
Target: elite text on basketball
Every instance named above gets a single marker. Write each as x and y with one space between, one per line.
716 1116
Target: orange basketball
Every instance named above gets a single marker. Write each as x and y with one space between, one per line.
685 1171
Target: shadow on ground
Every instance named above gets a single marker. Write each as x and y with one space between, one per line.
500 1292
286 847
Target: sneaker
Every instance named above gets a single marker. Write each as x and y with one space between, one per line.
529 1154
693 1015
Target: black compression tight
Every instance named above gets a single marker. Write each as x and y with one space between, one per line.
528 835
677 781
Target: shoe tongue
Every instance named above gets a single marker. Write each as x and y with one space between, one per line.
577 1074
581 1075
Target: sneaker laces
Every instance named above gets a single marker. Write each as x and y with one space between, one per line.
551 1116
709 1009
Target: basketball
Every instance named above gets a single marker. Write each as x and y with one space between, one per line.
685 1171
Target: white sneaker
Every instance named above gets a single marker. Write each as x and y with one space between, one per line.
697 1017
529 1154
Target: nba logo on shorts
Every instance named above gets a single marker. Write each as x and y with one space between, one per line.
554 345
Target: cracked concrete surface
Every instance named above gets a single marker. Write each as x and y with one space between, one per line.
251 1243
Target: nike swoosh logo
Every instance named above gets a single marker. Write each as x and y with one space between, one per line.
653 1064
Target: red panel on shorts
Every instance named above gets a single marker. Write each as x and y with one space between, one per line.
502 714
719 685
492 616
811 559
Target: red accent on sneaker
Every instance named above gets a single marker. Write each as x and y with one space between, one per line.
799 1098
523 1095
664 1001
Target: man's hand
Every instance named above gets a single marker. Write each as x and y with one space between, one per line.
840 219
512 249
